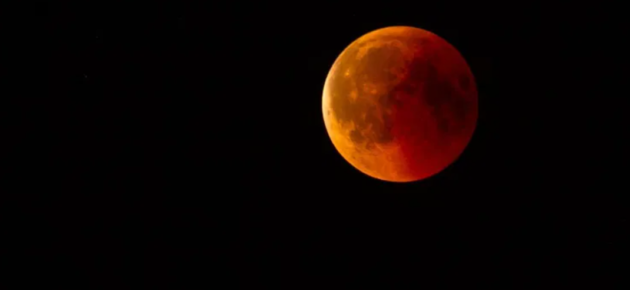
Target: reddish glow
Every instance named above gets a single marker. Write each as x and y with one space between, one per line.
400 104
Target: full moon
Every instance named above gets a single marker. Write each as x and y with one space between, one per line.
400 104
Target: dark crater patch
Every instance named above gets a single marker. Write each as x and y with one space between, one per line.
356 136
449 106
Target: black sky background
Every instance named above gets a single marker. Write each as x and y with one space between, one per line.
184 145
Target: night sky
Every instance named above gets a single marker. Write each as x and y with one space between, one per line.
183 147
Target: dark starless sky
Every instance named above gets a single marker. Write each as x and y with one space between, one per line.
185 144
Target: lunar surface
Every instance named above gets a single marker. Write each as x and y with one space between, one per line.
400 104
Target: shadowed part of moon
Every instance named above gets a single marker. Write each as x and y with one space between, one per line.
438 93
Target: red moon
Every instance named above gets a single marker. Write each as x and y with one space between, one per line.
400 104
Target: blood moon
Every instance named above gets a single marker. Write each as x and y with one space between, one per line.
400 104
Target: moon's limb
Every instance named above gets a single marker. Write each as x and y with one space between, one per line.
400 104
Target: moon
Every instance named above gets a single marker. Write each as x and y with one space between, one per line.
400 104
